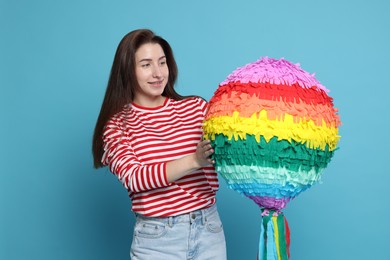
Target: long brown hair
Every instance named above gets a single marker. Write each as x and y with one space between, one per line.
122 82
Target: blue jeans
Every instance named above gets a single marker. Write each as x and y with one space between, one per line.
195 236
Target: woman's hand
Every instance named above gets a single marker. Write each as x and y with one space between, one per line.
203 152
201 158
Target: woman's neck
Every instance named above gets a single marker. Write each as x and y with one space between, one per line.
150 102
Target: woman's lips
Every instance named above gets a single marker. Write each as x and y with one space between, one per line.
156 83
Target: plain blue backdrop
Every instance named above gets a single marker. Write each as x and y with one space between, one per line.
54 65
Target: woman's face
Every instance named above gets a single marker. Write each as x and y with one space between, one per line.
152 74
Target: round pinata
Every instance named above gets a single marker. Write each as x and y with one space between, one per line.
274 129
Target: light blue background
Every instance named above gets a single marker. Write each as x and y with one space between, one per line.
54 65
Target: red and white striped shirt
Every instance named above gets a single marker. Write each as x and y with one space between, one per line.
139 141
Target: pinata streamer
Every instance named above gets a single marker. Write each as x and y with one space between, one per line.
274 130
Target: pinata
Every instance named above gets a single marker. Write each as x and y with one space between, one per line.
274 129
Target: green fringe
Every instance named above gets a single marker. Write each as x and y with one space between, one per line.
275 153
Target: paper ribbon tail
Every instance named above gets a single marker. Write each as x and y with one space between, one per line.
274 242
287 236
261 241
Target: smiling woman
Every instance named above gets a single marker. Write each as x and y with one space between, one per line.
151 139
152 75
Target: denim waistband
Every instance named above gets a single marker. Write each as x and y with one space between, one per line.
188 217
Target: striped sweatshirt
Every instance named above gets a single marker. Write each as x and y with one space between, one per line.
138 143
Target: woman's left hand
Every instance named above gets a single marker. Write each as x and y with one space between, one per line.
203 152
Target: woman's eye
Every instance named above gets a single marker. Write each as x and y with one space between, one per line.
163 63
145 65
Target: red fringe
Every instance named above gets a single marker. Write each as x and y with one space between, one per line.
289 93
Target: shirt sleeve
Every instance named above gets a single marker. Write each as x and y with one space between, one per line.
119 156
203 105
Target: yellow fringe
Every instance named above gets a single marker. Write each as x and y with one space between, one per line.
286 128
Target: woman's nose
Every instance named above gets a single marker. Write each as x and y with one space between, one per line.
157 72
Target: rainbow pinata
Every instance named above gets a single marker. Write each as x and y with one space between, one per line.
274 130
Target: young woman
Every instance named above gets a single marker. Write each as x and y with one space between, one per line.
151 139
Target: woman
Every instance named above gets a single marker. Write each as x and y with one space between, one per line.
151 139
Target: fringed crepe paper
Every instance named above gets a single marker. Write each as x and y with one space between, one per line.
274 130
